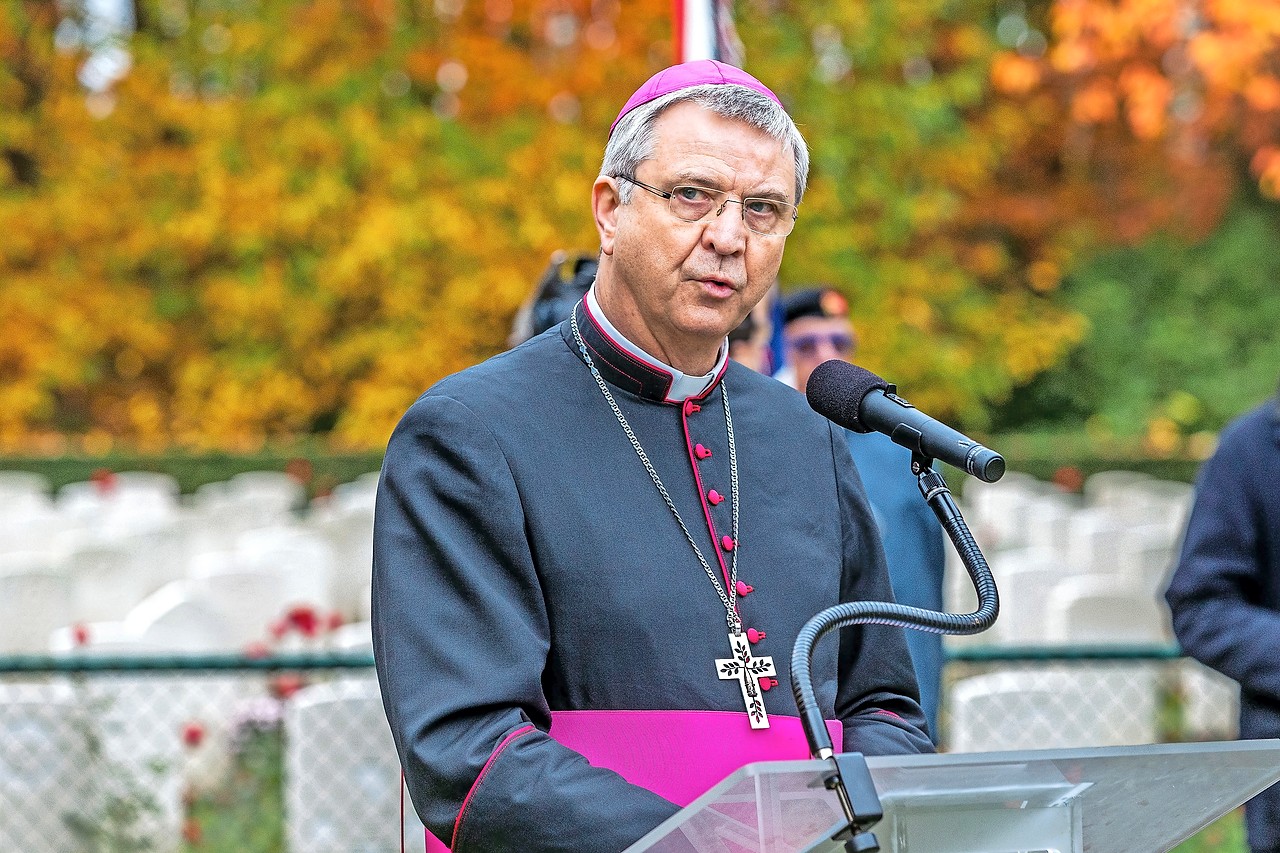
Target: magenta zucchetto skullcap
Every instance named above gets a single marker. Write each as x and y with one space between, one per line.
699 72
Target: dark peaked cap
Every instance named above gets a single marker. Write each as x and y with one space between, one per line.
814 302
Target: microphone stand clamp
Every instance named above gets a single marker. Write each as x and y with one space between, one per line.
851 780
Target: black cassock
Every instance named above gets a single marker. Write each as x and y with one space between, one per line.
525 562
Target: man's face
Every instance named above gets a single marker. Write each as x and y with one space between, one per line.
812 340
676 288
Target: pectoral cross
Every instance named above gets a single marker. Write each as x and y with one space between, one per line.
749 671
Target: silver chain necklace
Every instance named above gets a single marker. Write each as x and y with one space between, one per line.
728 599
742 666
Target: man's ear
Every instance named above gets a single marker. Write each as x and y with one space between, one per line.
604 206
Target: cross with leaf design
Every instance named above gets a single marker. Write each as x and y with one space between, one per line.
749 671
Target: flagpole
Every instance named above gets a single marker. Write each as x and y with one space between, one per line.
694 27
677 29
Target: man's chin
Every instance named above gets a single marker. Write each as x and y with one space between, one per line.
709 340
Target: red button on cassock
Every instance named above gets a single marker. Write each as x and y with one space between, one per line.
691 408
701 451
715 497
726 542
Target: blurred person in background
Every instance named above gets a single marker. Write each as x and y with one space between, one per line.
749 342
1224 593
565 281
816 328
609 516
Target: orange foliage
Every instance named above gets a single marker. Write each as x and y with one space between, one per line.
1095 103
1150 105
1014 75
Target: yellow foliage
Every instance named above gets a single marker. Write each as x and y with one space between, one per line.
1043 276
294 222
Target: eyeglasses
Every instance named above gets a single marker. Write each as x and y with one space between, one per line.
766 216
808 345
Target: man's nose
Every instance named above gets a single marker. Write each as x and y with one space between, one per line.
828 350
726 231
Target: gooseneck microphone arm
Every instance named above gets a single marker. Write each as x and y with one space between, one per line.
841 401
935 492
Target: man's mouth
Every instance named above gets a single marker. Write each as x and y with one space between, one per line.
718 285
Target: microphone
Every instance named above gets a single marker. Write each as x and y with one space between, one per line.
858 400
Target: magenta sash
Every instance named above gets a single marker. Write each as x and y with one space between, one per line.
678 755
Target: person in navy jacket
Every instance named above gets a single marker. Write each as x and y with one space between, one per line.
816 327
1225 591
612 516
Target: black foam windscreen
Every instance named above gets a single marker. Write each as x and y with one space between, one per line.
836 390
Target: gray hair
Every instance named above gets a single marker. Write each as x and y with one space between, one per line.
632 139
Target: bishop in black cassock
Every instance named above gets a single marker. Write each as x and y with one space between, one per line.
526 563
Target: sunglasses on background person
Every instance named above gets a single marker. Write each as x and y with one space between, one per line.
808 345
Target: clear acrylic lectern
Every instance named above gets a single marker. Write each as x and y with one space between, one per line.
1095 800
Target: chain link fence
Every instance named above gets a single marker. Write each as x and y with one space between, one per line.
234 754
1043 698
210 754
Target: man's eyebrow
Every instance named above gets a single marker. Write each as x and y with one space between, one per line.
772 195
698 178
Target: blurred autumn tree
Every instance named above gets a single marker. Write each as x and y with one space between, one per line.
1151 131
1145 113
1183 337
290 216
908 138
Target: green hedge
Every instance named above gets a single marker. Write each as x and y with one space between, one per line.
328 469
1182 470
321 470
1043 453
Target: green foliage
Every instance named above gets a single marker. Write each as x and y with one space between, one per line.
1225 835
120 811
291 216
1180 335
320 470
247 814
894 98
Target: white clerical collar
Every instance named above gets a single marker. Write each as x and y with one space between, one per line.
683 386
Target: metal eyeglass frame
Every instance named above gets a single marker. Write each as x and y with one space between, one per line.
724 201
